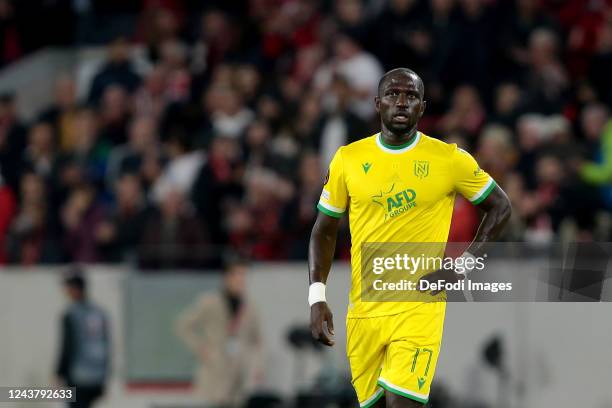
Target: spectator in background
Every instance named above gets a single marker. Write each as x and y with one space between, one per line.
151 99
278 24
182 167
119 235
62 113
561 141
284 154
300 213
220 177
8 209
351 16
466 114
86 161
117 71
247 81
174 63
31 238
597 129
85 342
81 217
222 330
360 68
558 201
496 152
507 104
593 120
269 109
216 38
601 65
12 141
524 18
128 158
530 135
547 78
115 112
444 25
257 140
267 193
308 129
11 43
401 35
151 169
173 235
551 178
39 156
158 25
226 115
476 22
229 115
339 126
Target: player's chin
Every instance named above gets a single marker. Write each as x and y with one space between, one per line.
399 128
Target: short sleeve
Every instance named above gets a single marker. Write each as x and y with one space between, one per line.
471 181
334 197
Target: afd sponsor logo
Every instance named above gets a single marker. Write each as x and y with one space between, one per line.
395 203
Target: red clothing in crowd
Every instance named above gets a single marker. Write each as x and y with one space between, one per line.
8 208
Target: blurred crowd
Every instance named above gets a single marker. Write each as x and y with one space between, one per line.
222 139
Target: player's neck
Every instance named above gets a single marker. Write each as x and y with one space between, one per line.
393 139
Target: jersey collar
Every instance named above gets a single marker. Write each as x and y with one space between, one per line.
397 149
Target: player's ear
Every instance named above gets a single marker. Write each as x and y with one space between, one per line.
377 103
423 106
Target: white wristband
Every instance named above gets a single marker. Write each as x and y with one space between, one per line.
316 293
466 255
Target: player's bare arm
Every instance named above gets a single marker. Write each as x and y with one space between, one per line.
497 210
320 256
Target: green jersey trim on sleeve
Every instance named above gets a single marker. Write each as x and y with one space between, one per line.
484 192
330 210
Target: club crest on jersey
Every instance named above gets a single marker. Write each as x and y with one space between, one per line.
421 168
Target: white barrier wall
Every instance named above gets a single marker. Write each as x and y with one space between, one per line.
558 354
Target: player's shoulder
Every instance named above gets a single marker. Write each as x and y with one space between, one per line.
437 145
358 147
442 148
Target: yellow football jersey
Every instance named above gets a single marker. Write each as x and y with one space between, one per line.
398 194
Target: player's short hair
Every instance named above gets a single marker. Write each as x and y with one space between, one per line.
406 71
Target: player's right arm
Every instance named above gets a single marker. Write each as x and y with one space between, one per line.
320 256
332 206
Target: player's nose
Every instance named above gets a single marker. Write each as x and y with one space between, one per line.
402 100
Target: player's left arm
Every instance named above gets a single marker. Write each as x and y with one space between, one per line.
478 187
497 210
481 190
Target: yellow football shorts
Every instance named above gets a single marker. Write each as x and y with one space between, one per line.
397 353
